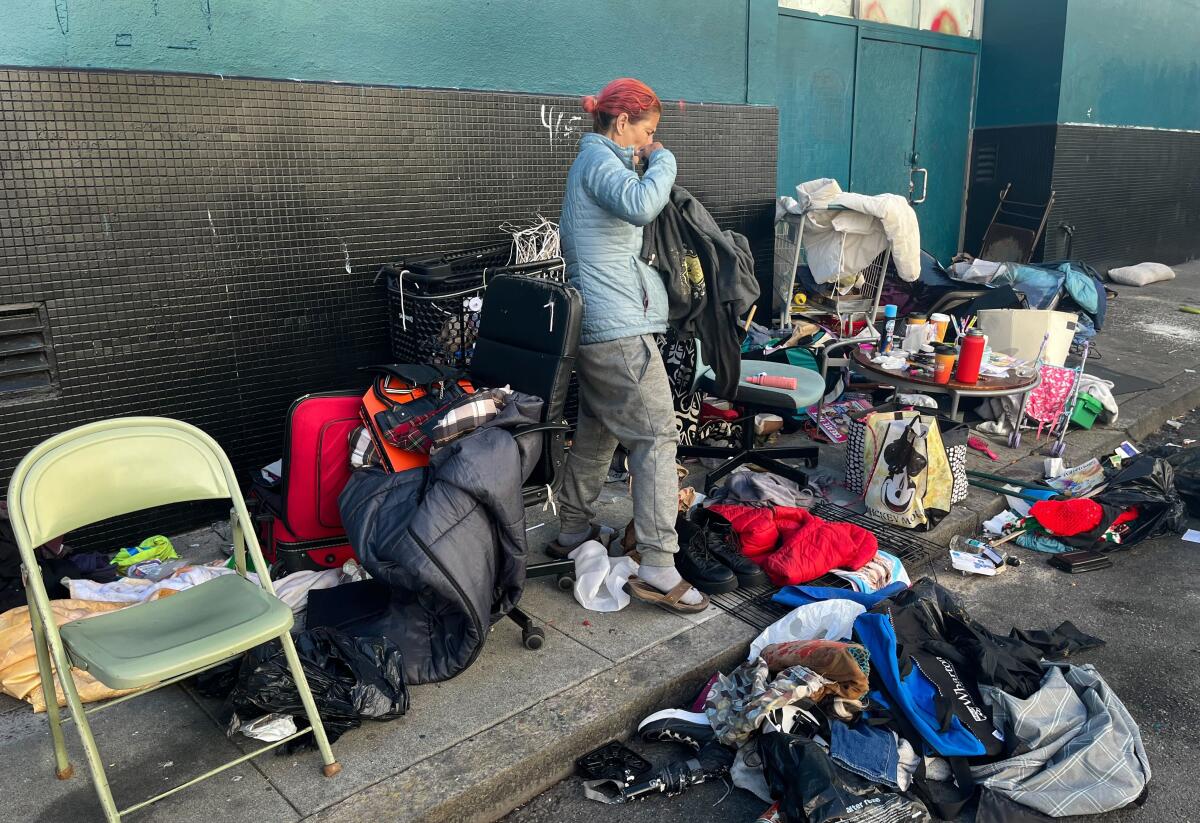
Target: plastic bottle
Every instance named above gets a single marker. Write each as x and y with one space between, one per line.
970 357
970 545
889 329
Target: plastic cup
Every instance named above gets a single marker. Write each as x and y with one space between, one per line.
941 322
944 357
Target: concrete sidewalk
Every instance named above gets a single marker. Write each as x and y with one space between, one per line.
511 726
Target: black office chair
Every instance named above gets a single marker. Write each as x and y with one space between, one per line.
528 338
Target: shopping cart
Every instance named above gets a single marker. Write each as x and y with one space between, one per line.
853 298
434 302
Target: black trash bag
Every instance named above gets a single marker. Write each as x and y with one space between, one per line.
811 787
1148 483
352 679
1186 463
218 682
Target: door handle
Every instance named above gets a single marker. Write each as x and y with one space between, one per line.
924 186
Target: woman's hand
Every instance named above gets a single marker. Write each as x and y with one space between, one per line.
645 151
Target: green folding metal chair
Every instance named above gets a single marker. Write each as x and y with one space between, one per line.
115 467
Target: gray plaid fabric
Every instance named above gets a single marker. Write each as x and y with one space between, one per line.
363 451
469 414
1085 753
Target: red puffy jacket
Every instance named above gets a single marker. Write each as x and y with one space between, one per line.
794 546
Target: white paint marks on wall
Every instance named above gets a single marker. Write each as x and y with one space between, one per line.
549 123
346 254
552 122
211 225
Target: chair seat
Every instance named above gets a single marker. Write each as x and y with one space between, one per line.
194 628
810 387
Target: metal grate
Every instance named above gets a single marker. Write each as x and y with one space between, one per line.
26 356
755 606
986 158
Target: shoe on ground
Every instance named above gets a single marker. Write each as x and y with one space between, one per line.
724 545
677 726
697 565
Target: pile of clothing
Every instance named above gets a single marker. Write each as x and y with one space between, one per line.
754 529
1139 501
773 527
898 705
1069 283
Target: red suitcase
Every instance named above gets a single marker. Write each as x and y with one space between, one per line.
299 525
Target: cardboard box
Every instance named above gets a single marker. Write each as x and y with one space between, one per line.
1019 332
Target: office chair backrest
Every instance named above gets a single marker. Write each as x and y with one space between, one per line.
528 338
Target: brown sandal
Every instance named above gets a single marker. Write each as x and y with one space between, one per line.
669 601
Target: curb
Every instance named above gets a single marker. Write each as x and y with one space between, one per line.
487 776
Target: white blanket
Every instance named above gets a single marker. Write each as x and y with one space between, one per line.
866 224
131 590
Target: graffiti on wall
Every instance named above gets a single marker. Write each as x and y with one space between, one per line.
955 17
894 12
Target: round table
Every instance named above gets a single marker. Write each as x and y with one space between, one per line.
986 387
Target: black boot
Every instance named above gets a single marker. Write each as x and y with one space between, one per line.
724 544
696 565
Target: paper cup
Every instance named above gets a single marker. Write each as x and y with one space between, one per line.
941 322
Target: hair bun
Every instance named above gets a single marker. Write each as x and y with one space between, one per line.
589 104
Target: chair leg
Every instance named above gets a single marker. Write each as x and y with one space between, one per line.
63 769
92 753
331 767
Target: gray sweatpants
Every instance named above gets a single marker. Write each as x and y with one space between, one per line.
624 397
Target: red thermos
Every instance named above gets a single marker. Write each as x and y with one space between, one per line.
969 357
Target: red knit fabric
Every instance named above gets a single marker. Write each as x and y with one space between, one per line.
1067 518
1124 517
794 546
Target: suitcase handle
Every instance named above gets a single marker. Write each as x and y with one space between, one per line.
418 375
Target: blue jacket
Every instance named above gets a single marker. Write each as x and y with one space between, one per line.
604 209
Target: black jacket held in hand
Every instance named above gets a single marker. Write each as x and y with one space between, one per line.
709 274
448 543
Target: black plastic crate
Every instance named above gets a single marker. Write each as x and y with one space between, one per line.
434 303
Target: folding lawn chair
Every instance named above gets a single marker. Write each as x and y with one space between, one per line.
98 471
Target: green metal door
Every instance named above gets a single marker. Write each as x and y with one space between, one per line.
885 113
940 147
816 98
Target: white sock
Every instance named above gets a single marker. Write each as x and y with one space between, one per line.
665 578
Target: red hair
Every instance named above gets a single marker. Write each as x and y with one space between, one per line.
622 96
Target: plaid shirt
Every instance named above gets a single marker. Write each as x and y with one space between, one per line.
427 432
469 414
411 436
1081 751
363 451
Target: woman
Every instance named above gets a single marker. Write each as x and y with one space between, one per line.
623 391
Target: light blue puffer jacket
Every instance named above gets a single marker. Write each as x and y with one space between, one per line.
604 209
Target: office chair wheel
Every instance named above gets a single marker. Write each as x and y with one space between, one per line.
533 638
566 582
